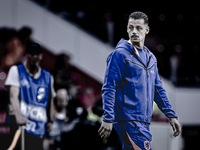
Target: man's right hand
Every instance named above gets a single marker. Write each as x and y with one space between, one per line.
14 100
21 121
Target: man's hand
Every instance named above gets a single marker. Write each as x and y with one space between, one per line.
49 126
105 129
21 121
14 100
175 126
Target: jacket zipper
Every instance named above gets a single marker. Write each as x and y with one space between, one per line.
147 76
151 66
136 64
146 69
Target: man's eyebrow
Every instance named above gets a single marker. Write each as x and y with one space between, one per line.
135 25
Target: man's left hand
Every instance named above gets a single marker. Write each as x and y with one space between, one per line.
175 126
105 129
49 126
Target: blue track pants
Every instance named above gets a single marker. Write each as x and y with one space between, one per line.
134 135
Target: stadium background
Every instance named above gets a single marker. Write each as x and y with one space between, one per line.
173 38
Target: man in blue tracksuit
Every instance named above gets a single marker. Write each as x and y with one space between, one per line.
131 84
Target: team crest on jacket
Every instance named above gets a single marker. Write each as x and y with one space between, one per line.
147 145
41 94
24 82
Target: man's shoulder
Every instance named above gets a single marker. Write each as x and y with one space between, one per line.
120 51
13 69
45 71
150 52
118 54
13 77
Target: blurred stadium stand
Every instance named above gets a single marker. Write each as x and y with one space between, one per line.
88 32
170 38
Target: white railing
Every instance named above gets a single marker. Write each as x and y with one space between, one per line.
59 36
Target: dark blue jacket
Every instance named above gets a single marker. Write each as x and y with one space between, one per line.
130 86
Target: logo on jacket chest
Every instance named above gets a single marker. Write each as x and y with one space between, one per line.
152 71
41 94
24 82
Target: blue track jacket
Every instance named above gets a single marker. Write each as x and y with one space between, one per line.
130 86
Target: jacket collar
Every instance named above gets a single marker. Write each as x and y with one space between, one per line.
125 44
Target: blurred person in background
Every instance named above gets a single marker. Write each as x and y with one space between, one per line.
11 52
11 49
88 97
69 115
131 84
31 96
24 34
62 74
54 135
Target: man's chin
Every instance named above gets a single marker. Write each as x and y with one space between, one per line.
135 42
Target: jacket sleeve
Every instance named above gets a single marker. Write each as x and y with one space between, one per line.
161 98
114 72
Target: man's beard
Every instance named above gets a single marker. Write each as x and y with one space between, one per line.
136 43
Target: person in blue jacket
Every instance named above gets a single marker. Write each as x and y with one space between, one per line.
131 84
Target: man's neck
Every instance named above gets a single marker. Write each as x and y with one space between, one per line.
139 45
134 48
32 68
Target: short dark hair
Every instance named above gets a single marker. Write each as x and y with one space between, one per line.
33 48
139 15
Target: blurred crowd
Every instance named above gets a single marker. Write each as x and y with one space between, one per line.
78 103
171 39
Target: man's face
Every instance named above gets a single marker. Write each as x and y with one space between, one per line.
137 30
33 59
62 98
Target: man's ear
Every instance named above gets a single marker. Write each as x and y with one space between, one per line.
147 30
41 56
